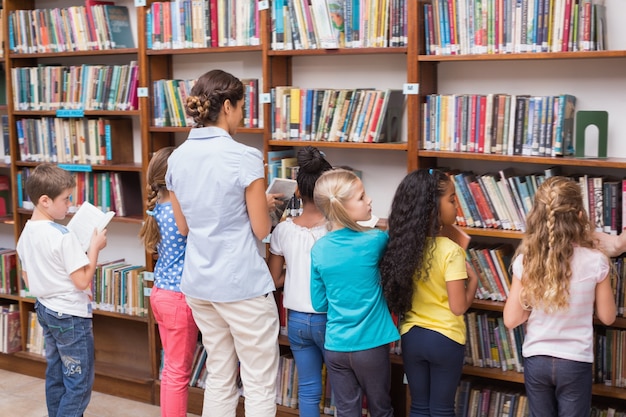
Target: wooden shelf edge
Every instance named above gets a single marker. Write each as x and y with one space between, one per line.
211 50
542 160
97 52
87 113
525 56
338 51
393 146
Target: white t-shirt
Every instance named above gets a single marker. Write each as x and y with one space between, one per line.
294 243
49 253
567 334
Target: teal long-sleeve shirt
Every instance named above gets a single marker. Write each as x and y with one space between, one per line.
345 283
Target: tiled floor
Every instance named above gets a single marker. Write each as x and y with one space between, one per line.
24 396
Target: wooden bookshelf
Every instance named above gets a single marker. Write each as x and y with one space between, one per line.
495 73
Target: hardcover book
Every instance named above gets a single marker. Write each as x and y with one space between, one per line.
118 24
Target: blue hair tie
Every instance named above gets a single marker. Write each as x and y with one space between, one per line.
430 171
150 213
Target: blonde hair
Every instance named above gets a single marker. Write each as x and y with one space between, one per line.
556 223
332 190
157 168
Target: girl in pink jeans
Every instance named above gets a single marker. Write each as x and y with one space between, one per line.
177 328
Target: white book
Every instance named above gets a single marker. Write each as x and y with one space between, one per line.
85 220
286 187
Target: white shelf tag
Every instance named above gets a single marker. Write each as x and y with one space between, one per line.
140 3
264 5
142 92
408 88
147 291
265 98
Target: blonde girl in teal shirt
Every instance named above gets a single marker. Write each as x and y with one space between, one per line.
345 283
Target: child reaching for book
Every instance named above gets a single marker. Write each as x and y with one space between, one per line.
426 283
178 331
558 277
345 283
290 245
59 273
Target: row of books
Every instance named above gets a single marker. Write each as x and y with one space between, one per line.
76 87
337 115
500 124
513 26
330 24
75 140
475 400
609 363
119 287
2 23
8 271
618 282
492 266
202 24
6 205
97 25
490 344
170 97
10 328
34 341
116 191
5 142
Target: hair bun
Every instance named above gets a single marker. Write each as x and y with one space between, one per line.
311 159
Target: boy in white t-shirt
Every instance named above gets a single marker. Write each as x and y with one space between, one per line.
59 273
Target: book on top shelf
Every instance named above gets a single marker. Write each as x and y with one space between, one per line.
86 219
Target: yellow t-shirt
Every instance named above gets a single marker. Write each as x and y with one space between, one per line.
430 308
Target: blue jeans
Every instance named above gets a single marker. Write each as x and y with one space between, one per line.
362 371
557 387
433 364
70 358
306 337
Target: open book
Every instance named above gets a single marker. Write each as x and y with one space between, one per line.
286 187
85 220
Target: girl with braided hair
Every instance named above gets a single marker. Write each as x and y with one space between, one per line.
217 188
177 328
558 277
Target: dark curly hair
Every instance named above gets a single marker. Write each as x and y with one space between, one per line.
414 217
208 95
312 164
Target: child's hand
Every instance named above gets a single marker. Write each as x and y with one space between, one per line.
98 240
272 200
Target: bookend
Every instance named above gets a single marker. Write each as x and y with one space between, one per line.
597 118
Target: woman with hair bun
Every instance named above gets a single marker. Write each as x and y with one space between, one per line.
217 189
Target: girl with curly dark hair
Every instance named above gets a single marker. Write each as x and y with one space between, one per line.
425 282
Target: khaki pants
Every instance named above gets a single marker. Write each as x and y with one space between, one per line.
239 337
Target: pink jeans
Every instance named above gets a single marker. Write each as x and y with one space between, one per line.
179 337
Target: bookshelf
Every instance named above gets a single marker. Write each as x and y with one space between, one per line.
122 367
596 78
592 76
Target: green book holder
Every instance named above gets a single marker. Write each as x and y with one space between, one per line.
599 119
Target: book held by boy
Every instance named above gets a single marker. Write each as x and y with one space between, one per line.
85 220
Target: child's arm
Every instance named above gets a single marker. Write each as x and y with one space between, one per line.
276 263
25 278
181 221
461 293
82 277
605 302
256 201
318 292
610 244
514 313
